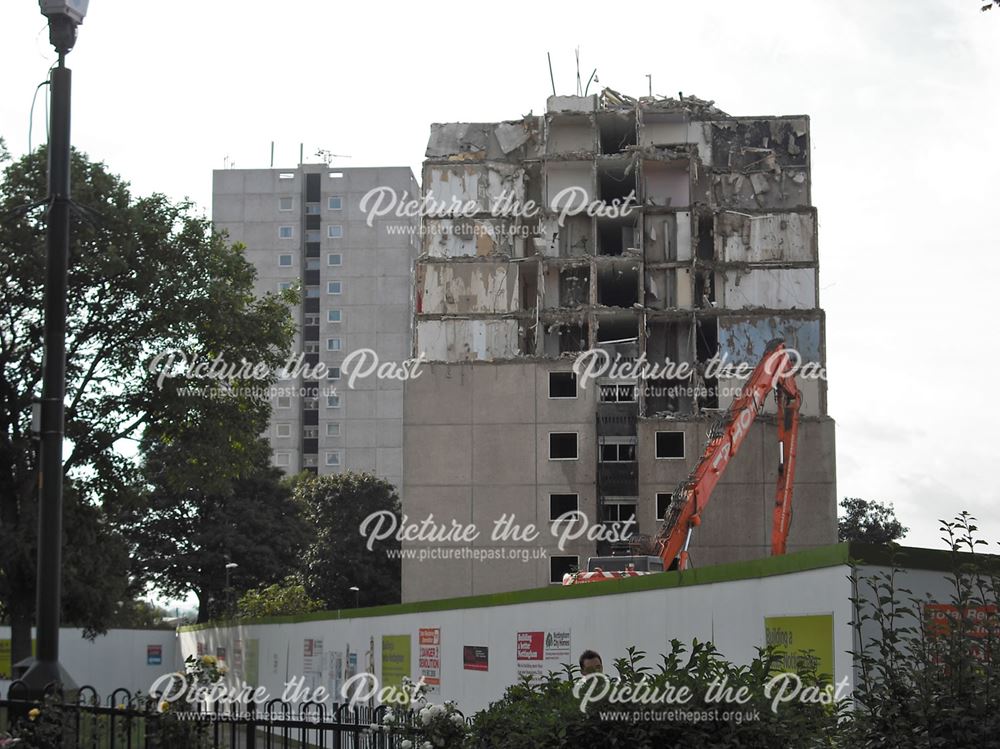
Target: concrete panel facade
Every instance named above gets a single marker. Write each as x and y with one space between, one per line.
476 447
305 227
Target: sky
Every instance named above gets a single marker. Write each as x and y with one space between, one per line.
904 101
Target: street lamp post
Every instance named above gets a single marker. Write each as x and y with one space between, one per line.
64 16
356 590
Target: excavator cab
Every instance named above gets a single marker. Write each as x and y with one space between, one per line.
625 563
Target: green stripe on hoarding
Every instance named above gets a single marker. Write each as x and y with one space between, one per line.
800 561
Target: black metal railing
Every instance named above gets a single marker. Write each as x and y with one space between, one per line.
128 720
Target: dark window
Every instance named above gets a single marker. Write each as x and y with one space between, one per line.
560 504
562 446
559 566
611 393
562 384
662 503
618 512
312 188
618 452
670 444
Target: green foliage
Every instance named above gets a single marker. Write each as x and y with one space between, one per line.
95 567
336 505
869 522
134 614
548 714
288 598
43 727
146 276
929 682
185 535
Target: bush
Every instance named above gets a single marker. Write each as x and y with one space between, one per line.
928 681
289 598
548 714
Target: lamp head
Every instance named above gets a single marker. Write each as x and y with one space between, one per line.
64 16
74 10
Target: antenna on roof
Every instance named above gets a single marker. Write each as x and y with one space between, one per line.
649 77
329 157
552 78
272 154
579 85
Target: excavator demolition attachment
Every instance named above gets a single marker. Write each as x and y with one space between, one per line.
774 372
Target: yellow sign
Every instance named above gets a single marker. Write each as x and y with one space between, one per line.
6 669
793 636
395 659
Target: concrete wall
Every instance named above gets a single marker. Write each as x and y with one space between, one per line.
737 523
476 447
793 288
476 443
744 339
566 174
467 340
468 287
118 660
778 237
477 184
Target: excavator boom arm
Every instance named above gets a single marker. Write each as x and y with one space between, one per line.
773 372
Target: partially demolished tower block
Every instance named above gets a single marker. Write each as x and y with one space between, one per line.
715 256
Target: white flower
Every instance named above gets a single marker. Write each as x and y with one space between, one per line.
425 715
406 744
427 745
457 719
388 715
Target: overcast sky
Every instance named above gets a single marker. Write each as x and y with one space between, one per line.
903 98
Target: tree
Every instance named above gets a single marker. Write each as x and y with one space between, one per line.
288 598
146 276
336 505
869 522
137 614
194 518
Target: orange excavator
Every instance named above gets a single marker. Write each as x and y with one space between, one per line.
773 372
